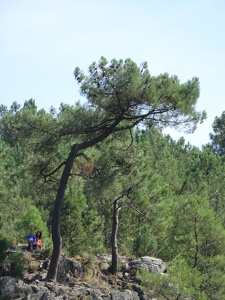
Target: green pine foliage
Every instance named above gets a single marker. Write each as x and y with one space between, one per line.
4 245
145 242
31 221
81 225
15 264
172 194
180 282
12 264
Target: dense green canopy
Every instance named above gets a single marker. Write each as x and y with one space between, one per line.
170 194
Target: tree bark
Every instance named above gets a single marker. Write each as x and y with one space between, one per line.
115 226
56 237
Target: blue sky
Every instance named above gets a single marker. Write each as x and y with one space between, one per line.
41 43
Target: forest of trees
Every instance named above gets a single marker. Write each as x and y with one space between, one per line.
67 172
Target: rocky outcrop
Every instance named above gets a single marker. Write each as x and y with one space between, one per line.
17 289
72 284
8 287
68 268
153 265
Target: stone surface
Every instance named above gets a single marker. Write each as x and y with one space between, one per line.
153 265
124 295
72 283
67 268
8 287
12 289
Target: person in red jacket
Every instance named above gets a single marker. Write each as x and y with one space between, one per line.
38 242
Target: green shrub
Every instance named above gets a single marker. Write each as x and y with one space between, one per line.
145 243
180 282
32 220
16 264
4 245
45 254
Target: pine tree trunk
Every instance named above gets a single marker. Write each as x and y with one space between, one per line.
114 237
56 236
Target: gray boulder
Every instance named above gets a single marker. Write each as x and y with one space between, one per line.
124 295
8 288
68 268
40 296
153 265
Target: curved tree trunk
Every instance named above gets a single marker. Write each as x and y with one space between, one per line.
56 237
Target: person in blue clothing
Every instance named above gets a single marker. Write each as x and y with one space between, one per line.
31 238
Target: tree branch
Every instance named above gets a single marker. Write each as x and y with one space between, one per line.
55 170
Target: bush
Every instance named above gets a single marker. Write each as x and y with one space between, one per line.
145 243
32 220
181 281
44 254
4 245
15 264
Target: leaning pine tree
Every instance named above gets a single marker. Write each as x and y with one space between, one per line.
123 95
120 96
